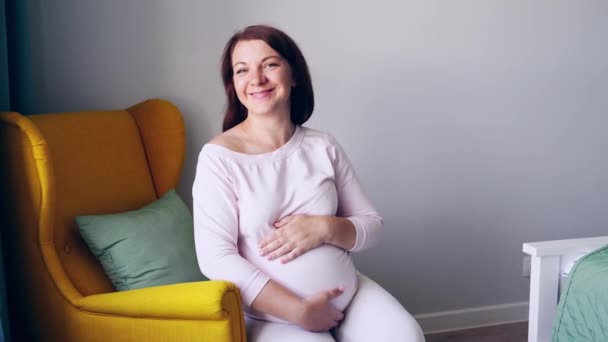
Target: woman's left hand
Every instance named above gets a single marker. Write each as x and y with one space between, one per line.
294 236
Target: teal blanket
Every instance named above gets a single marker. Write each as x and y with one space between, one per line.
582 313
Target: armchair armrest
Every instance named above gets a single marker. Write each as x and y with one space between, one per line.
203 300
564 247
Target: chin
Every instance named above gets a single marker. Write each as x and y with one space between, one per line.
264 112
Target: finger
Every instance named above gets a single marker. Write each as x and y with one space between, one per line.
296 252
283 221
334 313
335 292
265 241
272 246
285 249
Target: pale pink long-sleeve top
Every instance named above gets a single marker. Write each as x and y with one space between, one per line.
237 197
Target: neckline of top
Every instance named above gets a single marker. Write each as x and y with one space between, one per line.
281 152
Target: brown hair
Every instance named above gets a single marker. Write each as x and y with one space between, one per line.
302 97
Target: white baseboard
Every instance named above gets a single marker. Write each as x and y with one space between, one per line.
473 317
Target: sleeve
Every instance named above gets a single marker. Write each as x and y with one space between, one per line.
216 229
353 204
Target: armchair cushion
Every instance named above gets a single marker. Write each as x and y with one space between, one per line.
581 313
151 246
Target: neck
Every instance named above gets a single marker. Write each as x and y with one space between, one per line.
274 131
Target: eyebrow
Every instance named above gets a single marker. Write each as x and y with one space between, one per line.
263 59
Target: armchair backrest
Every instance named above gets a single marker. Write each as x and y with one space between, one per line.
58 166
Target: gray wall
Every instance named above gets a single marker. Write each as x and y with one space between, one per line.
474 125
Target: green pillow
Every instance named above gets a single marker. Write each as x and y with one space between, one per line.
147 247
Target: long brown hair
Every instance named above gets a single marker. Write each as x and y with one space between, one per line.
302 98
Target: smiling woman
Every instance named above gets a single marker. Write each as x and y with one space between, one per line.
278 207
262 79
282 46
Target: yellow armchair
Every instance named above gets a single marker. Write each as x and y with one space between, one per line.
57 166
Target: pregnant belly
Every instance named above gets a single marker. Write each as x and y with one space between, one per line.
322 268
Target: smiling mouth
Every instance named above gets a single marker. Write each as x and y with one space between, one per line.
261 94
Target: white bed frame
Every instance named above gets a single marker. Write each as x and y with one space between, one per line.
550 264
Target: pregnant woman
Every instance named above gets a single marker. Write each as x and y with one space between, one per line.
278 208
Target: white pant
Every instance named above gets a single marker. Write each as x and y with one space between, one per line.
372 315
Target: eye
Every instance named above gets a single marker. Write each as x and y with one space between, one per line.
240 71
271 65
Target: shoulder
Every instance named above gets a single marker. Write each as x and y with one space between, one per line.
214 154
223 147
231 139
318 136
322 142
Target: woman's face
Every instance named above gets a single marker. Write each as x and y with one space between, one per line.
262 78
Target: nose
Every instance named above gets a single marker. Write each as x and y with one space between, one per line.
257 78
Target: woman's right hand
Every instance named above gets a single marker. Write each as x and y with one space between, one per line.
317 313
